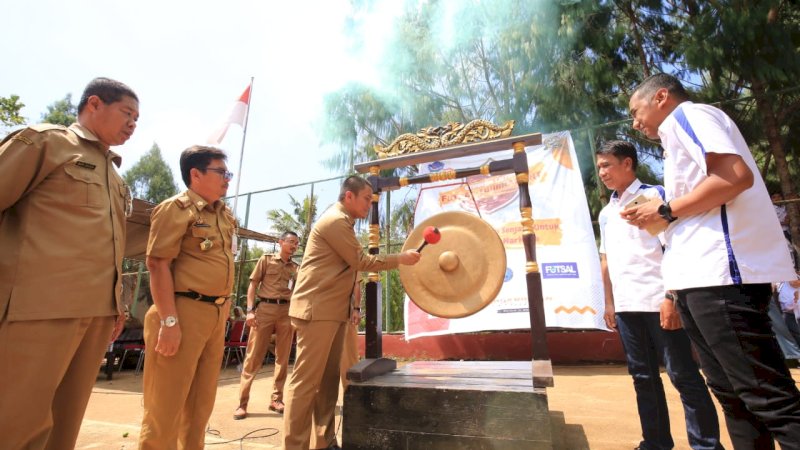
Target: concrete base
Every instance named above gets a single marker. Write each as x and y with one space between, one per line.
448 405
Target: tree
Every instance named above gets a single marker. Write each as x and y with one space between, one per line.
299 220
151 178
61 112
9 111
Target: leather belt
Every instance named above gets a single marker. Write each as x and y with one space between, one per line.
274 301
203 298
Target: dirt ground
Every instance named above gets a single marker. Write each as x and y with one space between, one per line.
591 407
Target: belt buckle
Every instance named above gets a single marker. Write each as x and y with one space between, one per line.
220 300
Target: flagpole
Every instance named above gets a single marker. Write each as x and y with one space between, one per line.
241 153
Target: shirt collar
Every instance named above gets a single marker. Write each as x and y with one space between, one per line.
84 133
665 125
341 208
200 202
635 185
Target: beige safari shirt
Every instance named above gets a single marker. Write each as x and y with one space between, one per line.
330 265
178 227
62 225
275 278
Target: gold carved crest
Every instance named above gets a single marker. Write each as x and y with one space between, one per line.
454 133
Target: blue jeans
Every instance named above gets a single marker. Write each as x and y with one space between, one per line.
744 367
646 345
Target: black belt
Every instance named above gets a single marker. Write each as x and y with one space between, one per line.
203 298
274 301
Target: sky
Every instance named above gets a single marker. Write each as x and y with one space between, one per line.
188 62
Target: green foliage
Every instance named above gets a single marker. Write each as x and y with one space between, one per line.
61 112
151 178
299 220
9 111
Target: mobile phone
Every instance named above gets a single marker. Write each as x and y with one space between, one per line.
639 200
652 229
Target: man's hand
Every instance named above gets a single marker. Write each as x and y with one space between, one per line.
169 339
408 257
643 215
610 316
119 324
670 319
355 318
250 320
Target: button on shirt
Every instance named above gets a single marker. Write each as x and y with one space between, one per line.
633 255
330 264
274 278
178 227
62 225
737 243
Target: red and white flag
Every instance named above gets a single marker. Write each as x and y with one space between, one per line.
237 116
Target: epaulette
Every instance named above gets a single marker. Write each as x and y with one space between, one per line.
16 135
183 200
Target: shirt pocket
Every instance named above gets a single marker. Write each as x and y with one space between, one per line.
83 187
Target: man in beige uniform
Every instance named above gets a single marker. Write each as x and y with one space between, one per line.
190 258
62 237
320 309
272 279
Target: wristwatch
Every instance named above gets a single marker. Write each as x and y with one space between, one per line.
251 309
169 321
666 212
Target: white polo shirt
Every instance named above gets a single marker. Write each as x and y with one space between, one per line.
633 255
737 243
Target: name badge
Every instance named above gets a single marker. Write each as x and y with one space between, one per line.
85 165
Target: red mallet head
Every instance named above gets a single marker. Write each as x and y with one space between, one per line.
431 236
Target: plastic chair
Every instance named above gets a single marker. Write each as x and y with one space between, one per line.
236 342
138 348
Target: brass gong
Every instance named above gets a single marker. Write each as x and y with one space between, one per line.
462 273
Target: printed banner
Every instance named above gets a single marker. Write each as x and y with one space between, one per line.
565 245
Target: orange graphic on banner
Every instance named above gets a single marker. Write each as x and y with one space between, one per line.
575 309
560 146
491 193
547 231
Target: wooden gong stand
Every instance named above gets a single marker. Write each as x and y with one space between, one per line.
375 364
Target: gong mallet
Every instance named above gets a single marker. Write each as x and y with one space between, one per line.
431 236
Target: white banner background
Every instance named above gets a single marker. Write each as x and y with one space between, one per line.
565 245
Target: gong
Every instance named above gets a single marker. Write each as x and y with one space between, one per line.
459 275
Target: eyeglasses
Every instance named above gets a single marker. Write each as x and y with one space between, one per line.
224 173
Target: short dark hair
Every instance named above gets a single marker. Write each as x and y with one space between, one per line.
108 90
287 234
354 184
620 150
198 157
651 84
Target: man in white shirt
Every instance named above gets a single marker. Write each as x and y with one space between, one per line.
723 248
646 318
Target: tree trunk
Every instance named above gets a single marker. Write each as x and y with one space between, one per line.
779 154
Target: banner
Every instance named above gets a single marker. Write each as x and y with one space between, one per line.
565 244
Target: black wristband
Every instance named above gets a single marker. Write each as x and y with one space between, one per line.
665 211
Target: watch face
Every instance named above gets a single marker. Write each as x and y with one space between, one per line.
170 321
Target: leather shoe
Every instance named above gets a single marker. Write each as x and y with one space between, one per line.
239 414
277 406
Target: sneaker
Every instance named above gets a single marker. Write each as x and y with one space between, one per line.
277 406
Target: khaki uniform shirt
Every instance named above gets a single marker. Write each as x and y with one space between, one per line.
274 278
178 227
330 265
62 225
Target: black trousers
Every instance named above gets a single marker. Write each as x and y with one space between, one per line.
743 364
